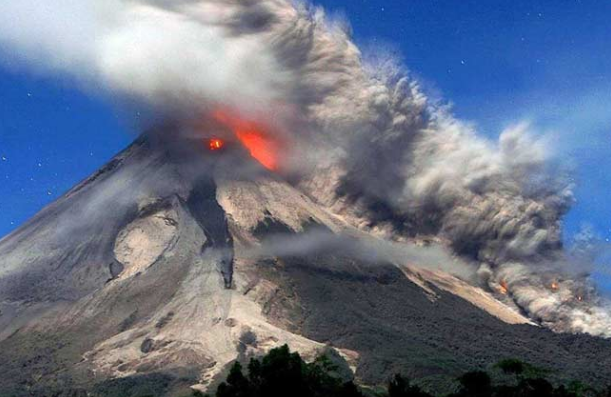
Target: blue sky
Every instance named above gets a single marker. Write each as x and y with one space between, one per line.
497 62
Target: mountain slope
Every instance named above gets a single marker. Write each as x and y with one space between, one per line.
160 270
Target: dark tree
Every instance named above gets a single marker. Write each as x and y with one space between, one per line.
536 388
563 392
348 389
511 366
475 384
237 385
284 374
401 387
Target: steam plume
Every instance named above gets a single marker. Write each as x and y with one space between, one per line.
365 139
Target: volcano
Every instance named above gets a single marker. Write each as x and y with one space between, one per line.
142 278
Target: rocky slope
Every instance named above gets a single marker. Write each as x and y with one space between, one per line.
156 273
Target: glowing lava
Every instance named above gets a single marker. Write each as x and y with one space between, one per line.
554 286
215 144
503 288
253 136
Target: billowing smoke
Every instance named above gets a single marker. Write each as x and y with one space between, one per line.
370 250
364 139
174 55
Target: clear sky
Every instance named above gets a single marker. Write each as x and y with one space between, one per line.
498 62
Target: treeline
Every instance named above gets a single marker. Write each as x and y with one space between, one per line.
282 373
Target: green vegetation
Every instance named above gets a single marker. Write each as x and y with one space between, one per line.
282 373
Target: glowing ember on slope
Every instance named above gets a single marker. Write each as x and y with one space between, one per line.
253 136
554 286
503 289
215 144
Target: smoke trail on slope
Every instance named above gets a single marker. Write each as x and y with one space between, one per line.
365 140
369 250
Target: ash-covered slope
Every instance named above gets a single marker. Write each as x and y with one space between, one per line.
157 272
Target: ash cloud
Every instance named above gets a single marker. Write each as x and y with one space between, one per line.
365 140
370 250
170 55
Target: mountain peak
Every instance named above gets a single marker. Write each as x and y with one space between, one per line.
174 260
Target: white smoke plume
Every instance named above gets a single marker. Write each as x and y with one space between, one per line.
167 54
365 140
370 250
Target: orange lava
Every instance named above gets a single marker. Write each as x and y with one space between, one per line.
253 136
503 288
554 286
215 144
